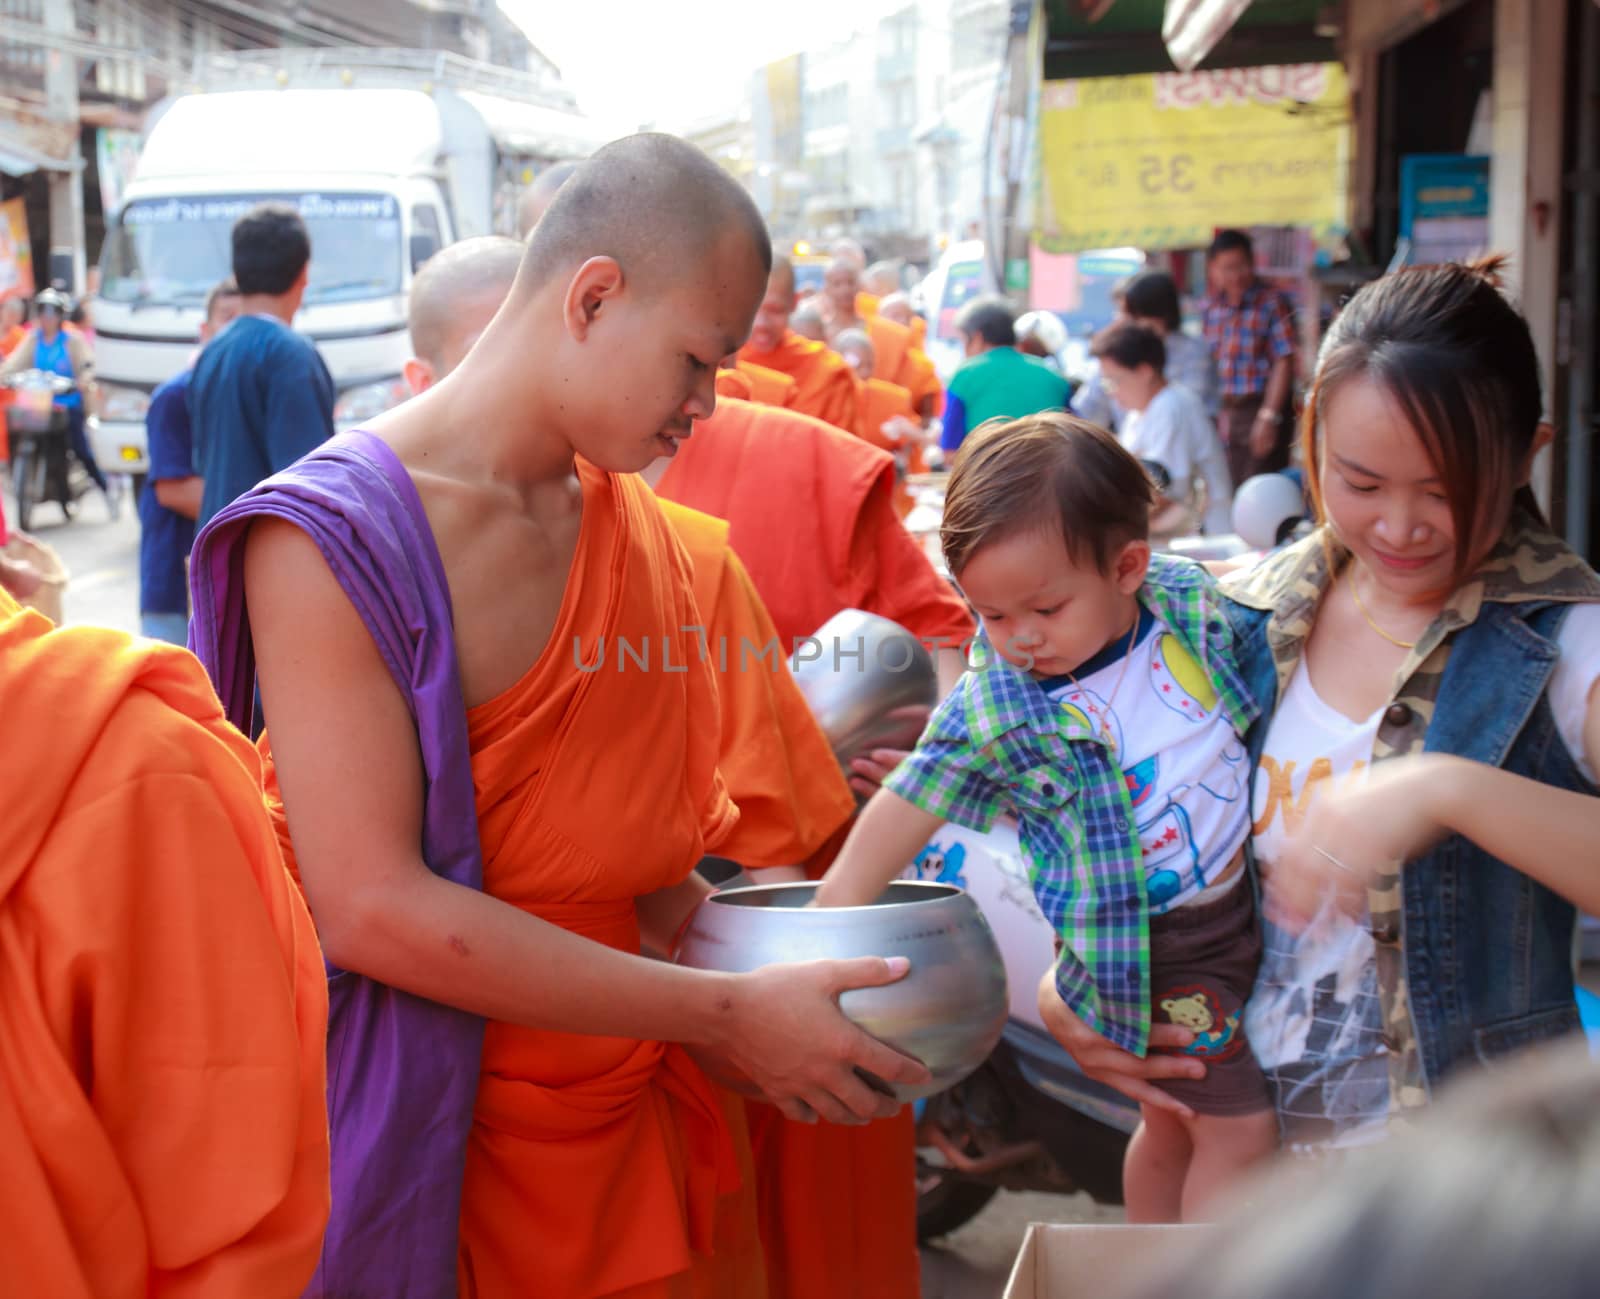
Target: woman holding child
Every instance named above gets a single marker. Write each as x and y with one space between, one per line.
1425 663
1414 684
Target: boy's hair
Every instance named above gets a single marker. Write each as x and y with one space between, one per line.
271 246
1052 471
1231 241
221 289
990 319
1153 295
1131 345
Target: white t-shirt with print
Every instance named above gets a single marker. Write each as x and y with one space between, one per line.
1187 772
1314 1018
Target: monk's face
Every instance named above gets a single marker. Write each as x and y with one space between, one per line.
808 326
649 361
772 317
839 286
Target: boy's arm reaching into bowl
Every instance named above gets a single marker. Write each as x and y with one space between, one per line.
885 839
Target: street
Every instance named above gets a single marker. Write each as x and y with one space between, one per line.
102 557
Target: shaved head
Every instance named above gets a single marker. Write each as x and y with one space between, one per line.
782 275
849 250
840 284
881 278
456 294
897 307
808 323
855 345
536 198
654 203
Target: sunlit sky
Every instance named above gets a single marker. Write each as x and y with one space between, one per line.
670 61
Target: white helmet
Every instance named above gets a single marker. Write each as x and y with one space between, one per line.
1266 508
1046 326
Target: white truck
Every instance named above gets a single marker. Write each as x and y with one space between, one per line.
383 176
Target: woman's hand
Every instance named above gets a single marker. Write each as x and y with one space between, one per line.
869 770
1356 833
1113 1066
785 1034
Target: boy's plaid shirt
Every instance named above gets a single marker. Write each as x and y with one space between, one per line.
999 744
1246 340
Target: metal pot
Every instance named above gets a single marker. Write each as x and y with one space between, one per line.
947 1011
869 686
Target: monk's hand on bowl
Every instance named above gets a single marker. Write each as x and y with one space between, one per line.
1110 1064
791 1040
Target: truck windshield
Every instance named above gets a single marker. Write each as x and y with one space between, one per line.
170 251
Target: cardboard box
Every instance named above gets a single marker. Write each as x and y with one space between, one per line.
1086 1260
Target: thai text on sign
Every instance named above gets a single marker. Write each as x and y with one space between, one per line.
1163 160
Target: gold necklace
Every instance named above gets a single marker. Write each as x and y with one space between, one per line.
1393 640
1102 717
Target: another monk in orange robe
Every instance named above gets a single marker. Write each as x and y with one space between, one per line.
885 417
756 383
824 385
162 1125
601 1161
813 518
900 358
777 763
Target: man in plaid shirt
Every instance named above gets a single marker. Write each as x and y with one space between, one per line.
1251 330
1105 712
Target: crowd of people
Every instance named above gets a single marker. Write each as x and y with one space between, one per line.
332 948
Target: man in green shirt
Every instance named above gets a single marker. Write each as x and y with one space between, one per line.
996 381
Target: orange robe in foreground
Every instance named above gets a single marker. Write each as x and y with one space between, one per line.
778 765
812 514
757 383
825 384
163 1127
878 402
813 518
603 1165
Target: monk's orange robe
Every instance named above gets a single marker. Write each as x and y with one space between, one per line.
756 383
877 403
778 765
813 518
825 386
812 515
921 380
602 1165
162 1119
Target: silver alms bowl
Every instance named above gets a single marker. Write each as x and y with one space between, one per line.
868 672
947 1011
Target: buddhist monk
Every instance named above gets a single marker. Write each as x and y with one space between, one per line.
824 385
534 201
162 1128
813 517
898 307
899 361
885 417
807 321
777 763
755 383
496 744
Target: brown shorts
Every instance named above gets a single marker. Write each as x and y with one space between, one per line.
1203 960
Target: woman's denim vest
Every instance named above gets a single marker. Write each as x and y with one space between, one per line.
1488 951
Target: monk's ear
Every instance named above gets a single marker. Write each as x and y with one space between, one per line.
598 281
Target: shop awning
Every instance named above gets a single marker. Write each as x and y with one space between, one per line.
20 158
1115 38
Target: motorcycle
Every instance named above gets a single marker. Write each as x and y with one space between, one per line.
42 464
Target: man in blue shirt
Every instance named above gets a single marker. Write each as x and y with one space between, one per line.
260 397
996 381
172 492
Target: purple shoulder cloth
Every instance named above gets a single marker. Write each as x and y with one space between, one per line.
402 1070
